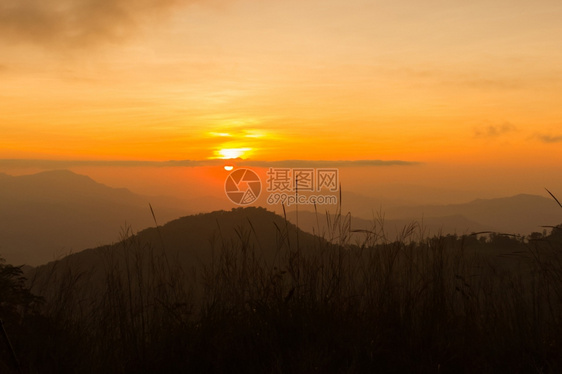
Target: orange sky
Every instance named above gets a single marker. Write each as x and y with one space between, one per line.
470 91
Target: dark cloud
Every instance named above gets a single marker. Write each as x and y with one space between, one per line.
492 131
326 163
62 164
545 138
77 22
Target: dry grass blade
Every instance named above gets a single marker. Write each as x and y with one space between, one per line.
364 231
157 227
481 233
153 215
554 197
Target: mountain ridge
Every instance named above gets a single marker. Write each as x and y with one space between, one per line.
190 242
517 214
60 211
56 212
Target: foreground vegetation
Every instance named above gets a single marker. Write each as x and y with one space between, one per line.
359 302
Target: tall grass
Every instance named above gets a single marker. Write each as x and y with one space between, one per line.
441 304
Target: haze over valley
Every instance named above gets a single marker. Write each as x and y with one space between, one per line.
48 215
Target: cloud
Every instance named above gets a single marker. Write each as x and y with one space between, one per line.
77 22
326 163
545 138
492 131
62 164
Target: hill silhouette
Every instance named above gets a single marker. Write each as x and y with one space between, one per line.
189 242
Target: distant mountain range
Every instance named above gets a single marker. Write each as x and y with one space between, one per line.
47 215
329 225
520 214
50 214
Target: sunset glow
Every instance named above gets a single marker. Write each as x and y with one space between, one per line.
453 87
292 186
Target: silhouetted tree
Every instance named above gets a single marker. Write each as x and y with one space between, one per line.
16 303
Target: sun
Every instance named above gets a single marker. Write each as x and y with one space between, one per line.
228 153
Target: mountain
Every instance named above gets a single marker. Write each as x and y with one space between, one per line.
394 195
519 214
327 225
52 213
186 242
